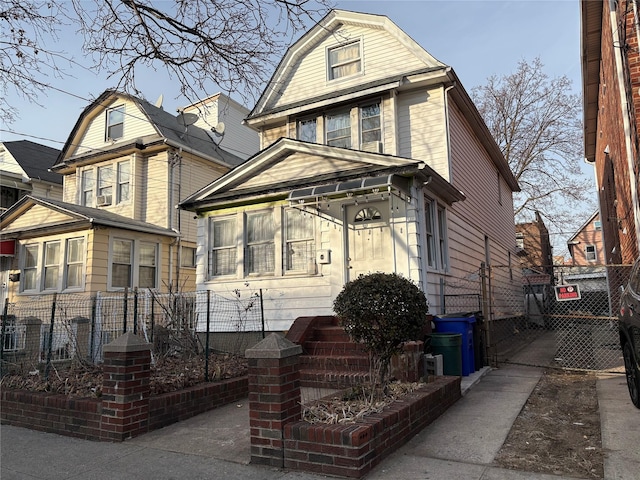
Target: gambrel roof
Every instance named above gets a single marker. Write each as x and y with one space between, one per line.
65 216
289 164
167 127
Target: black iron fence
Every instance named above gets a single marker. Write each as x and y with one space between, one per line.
41 331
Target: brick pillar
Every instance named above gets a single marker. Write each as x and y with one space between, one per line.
408 366
274 396
125 388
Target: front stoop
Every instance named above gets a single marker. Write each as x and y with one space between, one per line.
329 359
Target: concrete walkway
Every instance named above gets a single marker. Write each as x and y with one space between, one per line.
461 444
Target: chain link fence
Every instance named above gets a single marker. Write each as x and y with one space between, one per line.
561 316
72 329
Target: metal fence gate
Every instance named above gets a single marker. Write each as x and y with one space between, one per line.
561 316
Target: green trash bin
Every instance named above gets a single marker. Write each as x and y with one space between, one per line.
449 345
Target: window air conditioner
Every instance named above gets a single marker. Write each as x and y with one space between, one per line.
375 147
103 200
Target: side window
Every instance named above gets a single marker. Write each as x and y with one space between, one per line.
370 128
187 257
344 60
431 232
590 253
147 259
115 123
442 239
105 185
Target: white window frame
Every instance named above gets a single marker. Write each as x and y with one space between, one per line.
364 131
216 248
336 140
135 263
112 122
307 121
292 244
590 251
121 182
187 256
334 68
436 241
88 187
443 239
58 267
430 228
266 243
95 182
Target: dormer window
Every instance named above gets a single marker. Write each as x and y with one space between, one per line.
115 123
345 60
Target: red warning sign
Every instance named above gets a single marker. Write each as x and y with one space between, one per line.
567 292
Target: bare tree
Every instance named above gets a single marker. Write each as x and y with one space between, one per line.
536 121
230 45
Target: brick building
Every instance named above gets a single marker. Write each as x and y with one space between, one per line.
611 90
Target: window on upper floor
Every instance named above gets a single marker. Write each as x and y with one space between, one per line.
100 192
590 253
338 126
187 257
115 123
307 130
263 242
55 265
133 263
597 225
344 60
520 240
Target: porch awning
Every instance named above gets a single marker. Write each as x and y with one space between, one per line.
385 183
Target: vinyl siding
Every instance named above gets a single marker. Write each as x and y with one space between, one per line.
135 125
155 201
421 128
70 188
475 174
382 56
38 215
267 137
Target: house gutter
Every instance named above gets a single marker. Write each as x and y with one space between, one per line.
447 127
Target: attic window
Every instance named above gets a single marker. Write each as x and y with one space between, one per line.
115 123
344 60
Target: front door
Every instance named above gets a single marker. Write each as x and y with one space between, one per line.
368 239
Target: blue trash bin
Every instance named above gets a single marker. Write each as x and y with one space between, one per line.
463 324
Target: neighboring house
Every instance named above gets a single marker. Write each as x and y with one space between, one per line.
126 165
368 145
24 170
532 239
611 90
586 246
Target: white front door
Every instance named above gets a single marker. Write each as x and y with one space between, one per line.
368 239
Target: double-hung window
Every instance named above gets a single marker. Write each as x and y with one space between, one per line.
88 188
51 265
122 258
431 232
590 253
338 126
123 181
260 253
147 265
222 247
30 269
115 123
75 263
299 240
344 60
105 185
307 130
442 238
370 132
436 235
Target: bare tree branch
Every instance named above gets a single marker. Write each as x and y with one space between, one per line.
205 45
536 121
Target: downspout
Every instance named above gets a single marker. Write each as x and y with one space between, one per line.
625 110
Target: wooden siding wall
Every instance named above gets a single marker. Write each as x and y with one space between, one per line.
270 135
421 128
70 188
136 125
38 215
155 201
46 190
382 55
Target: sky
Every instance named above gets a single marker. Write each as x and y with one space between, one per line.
477 38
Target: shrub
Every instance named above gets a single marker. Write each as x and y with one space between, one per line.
381 311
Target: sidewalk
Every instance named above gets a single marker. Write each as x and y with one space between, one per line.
459 445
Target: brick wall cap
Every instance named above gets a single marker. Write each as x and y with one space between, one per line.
274 346
127 342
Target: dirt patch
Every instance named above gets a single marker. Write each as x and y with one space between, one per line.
167 375
558 429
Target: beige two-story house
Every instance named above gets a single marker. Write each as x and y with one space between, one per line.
373 158
126 165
